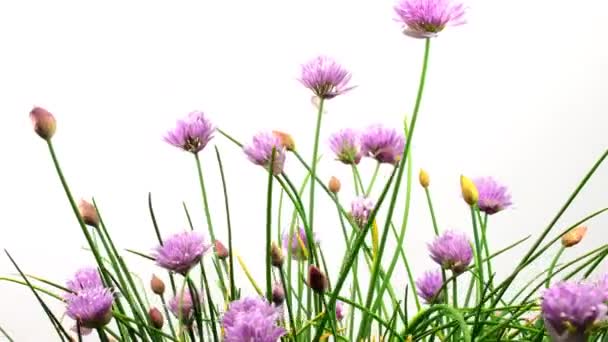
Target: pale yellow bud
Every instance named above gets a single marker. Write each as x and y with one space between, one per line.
574 236
334 185
424 178
469 190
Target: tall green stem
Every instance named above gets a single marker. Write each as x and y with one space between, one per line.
371 183
269 229
478 251
313 169
552 266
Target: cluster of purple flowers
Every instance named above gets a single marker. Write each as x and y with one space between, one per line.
89 302
251 319
384 144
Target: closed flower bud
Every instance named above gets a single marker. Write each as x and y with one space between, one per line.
317 280
156 317
469 191
574 236
44 122
424 178
276 255
157 285
220 250
88 213
286 140
278 295
334 185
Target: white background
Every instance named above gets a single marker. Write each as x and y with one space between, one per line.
518 93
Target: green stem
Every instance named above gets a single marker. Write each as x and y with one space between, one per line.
358 179
166 309
478 252
552 266
455 292
355 181
210 303
313 170
371 183
287 301
269 228
102 335
432 211
485 244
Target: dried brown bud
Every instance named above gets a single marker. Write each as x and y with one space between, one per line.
317 280
157 285
44 122
574 236
286 140
88 213
156 317
220 250
278 295
424 178
276 255
334 185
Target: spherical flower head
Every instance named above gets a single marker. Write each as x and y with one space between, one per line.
260 151
493 197
346 145
570 308
325 77
92 307
44 122
251 319
298 243
383 144
278 295
452 250
181 252
191 134
340 311
84 278
426 18
182 306
429 287
360 210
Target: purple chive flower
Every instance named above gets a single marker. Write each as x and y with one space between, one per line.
180 252
192 133
345 144
493 197
325 77
340 311
259 151
452 250
570 308
182 306
360 209
429 287
383 144
298 242
87 277
251 319
426 18
92 307
602 285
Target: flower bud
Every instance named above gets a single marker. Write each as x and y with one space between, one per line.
156 317
220 250
286 140
424 178
317 281
157 285
88 213
44 122
334 185
574 236
278 295
276 255
469 191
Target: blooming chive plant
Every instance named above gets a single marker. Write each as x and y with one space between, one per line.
349 290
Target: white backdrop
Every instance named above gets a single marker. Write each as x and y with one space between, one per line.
518 93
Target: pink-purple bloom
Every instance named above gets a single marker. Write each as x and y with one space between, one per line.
192 133
89 302
452 250
493 197
429 287
260 152
182 307
86 277
251 319
426 18
360 210
571 308
325 77
383 144
298 243
346 145
181 251
340 311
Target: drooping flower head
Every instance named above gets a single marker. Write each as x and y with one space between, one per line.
426 18
493 197
91 306
452 250
251 319
84 278
360 210
429 287
383 144
181 251
182 307
298 243
346 145
570 308
325 77
192 133
260 152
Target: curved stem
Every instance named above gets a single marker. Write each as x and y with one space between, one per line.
313 170
371 183
287 301
552 266
478 252
269 229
